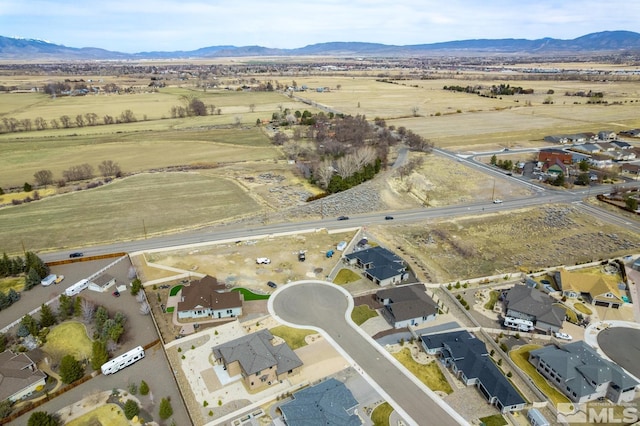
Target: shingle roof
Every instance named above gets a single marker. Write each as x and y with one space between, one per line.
16 373
378 257
585 283
408 302
325 404
533 302
578 365
206 294
255 353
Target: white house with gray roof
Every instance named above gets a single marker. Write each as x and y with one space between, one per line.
582 375
257 360
329 403
407 305
380 265
533 305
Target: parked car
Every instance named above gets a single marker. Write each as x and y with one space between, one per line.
497 201
116 293
563 336
76 254
302 256
59 279
343 217
272 284
263 261
388 218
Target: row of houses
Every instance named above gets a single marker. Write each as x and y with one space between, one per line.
585 137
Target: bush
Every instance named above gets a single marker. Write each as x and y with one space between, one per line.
205 403
133 389
504 347
144 388
165 409
131 409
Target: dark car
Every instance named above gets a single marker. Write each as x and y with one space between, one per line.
271 284
343 218
76 254
388 218
116 293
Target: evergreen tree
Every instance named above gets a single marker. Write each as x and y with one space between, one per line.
32 279
131 409
99 354
77 306
120 318
100 317
3 344
5 265
47 317
5 408
42 418
13 296
70 369
5 302
165 409
33 261
30 324
136 286
144 388
64 309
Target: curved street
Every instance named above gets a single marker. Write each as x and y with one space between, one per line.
327 307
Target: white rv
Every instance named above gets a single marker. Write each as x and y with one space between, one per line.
77 287
122 361
48 280
518 324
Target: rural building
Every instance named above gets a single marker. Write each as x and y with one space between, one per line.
468 359
19 376
533 305
555 168
327 403
406 306
101 283
257 360
577 371
593 289
550 155
209 298
380 265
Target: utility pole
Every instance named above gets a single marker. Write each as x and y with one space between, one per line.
144 227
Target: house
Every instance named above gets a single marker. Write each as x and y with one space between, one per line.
550 155
257 360
533 305
592 288
101 282
587 148
607 135
208 298
407 305
19 376
555 168
600 161
469 361
581 374
633 133
607 146
327 403
379 265
632 169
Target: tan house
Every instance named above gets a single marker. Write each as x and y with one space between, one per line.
19 376
208 298
593 288
257 359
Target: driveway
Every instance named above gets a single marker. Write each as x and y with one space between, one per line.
326 307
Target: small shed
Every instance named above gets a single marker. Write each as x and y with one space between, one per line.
102 282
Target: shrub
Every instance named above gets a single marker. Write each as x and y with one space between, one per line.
205 403
131 409
133 388
165 409
144 388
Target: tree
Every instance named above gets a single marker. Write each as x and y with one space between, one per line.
66 121
5 408
3 346
42 418
80 120
100 317
109 168
494 160
30 324
632 203
64 307
165 409
99 354
252 107
559 180
197 107
144 388
43 177
47 317
32 279
131 409
27 187
582 179
583 165
70 369
136 286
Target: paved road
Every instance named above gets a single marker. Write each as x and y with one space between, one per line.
622 345
323 306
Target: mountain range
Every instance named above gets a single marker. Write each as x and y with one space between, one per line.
599 42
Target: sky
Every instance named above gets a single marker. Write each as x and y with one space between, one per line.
168 25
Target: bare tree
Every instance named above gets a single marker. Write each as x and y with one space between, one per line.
66 121
80 120
41 123
280 138
43 177
26 124
345 166
252 107
291 149
109 168
144 308
323 173
55 124
92 118
237 120
414 110
88 310
212 109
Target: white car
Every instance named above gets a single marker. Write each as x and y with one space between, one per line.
263 261
497 201
563 336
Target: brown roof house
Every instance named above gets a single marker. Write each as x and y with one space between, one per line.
19 376
593 288
407 305
209 298
257 359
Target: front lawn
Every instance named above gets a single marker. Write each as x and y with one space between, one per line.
493 298
293 336
249 295
429 374
8 283
362 313
582 308
380 415
71 338
521 358
346 276
109 414
175 290
494 420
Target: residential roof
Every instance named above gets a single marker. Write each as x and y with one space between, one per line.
595 285
329 403
471 357
205 294
17 372
533 302
255 353
383 264
103 280
407 302
579 365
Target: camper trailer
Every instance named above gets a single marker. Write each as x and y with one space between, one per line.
77 287
518 323
122 361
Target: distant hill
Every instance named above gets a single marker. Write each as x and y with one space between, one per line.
605 41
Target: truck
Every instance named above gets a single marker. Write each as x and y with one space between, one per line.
329 254
48 280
